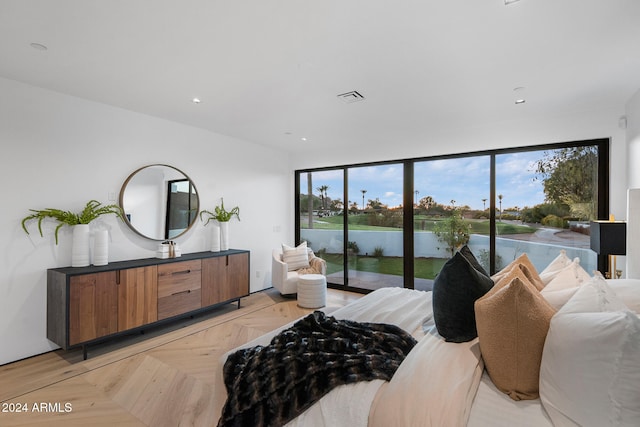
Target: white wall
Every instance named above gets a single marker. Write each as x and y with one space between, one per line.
633 180
59 151
633 140
531 131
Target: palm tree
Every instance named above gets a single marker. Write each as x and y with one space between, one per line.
417 192
484 204
363 191
321 191
500 199
323 194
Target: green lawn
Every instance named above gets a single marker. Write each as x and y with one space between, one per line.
425 268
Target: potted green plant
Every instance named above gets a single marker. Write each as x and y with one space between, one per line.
92 210
220 239
80 223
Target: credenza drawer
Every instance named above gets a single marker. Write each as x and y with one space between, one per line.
178 277
179 303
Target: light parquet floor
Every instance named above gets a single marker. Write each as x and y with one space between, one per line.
171 376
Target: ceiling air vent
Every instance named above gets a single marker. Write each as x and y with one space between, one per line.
350 97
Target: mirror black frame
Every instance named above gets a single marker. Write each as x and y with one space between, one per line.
193 215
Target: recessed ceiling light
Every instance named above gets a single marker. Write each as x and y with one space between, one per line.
520 101
196 100
38 46
508 2
303 139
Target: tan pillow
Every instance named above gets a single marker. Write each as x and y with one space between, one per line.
525 264
512 323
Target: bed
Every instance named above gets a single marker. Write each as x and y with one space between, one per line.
587 371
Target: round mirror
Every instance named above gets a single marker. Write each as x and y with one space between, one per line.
159 202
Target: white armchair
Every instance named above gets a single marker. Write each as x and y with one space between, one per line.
285 281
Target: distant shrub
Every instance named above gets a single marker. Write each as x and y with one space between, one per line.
554 221
378 252
353 247
483 259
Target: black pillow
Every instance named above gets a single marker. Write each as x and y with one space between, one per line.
455 289
472 259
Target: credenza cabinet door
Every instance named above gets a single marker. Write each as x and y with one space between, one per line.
225 278
93 306
137 297
101 304
237 277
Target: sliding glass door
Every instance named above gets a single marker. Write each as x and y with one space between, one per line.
375 220
544 202
451 209
321 217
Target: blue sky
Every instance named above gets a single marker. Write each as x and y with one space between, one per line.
465 180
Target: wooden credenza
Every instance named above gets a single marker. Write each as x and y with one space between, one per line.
86 305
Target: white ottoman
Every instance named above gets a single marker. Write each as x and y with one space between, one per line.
312 290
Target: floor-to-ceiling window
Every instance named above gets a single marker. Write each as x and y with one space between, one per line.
544 202
375 219
321 217
396 223
451 208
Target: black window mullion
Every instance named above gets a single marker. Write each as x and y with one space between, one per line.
407 226
492 215
345 232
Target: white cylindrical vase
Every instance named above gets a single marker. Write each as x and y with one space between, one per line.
80 246
224 236
101 247
215 237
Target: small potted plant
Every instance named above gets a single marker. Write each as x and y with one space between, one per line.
221 230
80 223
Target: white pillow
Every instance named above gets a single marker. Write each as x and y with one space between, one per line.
571 276
555 266
295 258
557 299
590 370
628 290
564 284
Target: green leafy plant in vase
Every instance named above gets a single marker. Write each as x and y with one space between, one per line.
80 223
92 210
220 240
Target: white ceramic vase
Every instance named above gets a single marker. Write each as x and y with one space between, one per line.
224 236
101 247
80 246
215 237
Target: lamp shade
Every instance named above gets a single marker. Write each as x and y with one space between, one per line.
608 237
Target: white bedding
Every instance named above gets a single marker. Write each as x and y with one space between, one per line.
492 408
458 394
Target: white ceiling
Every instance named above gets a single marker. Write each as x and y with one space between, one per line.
269 71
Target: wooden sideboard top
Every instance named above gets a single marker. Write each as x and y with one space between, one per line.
143 262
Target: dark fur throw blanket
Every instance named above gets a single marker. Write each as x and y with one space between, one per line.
270 385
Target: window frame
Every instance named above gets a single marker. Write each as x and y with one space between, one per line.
602 144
